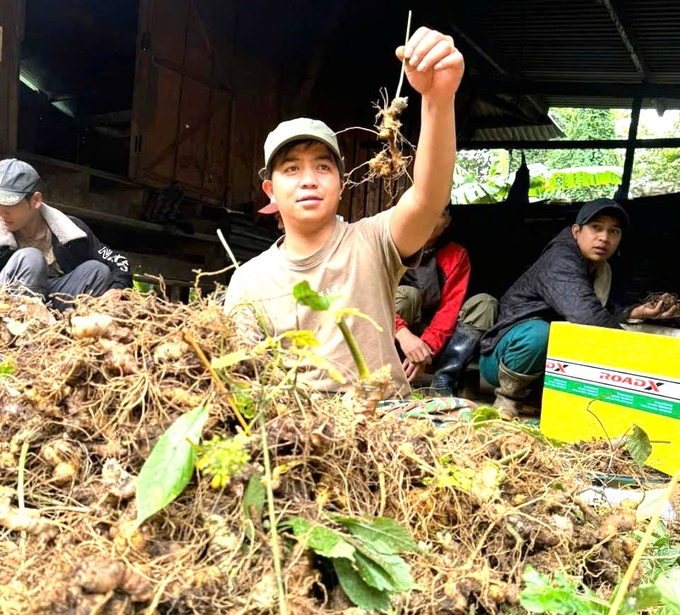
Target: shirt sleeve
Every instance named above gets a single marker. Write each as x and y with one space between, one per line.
455 263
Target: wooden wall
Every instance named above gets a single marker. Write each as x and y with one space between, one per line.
11 27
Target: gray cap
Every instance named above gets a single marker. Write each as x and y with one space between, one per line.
602 207
18 179
300 129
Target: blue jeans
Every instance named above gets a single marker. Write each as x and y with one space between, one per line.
523 349
27 269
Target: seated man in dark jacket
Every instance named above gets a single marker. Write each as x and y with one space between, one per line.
570 281
46 251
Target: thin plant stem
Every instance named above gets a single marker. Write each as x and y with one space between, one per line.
351 342
226 246
189 339
20 491
403 63
274 536
632 567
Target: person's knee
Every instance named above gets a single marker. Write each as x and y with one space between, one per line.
95 279
28 258
26 268
480 311
408 303
527 348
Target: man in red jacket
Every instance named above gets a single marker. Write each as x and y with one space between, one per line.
433 324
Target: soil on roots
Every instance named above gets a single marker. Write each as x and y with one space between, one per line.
90 394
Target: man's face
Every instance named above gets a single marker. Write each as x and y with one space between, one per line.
306 186
17 217
599 238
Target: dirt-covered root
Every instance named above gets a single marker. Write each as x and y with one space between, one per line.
482 499
390 164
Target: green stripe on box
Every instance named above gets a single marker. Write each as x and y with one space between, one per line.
629 399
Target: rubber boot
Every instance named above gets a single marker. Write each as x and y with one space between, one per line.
457 354
512 392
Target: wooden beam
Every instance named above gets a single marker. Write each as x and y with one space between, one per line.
582 144
628 38
579 88
624 188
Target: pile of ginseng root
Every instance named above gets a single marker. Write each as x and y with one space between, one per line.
84 398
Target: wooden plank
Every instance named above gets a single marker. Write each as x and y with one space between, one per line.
192 137
168 29
159 126
198 57
219 137
11 22
123 222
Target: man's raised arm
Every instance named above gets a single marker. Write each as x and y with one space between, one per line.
434 68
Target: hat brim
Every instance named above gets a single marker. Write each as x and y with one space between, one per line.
305 137
10 198
614 211
272 208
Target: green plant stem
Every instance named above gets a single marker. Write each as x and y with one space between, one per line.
351 342
653 522
276 552
514 456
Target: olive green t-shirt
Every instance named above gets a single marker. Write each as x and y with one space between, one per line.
361 265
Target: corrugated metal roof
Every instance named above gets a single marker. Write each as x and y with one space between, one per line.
575 41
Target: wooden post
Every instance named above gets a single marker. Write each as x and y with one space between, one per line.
624 188
11 27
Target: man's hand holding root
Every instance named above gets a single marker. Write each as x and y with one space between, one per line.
418 354
433 65
654 311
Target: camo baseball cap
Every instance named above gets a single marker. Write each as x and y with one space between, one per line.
18 179
301 128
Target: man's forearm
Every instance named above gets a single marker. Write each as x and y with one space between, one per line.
435 156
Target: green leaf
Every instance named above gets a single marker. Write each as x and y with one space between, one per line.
254 496
383 535
302 338
322 540
169 467
304 295
638 445
641 598
455 477
229 359
484 414
320 362
558 595
668 585
6 368
389 573
358 591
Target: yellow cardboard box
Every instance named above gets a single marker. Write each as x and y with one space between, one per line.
623 378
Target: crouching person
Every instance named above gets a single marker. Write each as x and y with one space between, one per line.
570 281
46 252
433 325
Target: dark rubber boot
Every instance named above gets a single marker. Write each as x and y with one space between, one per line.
461 348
